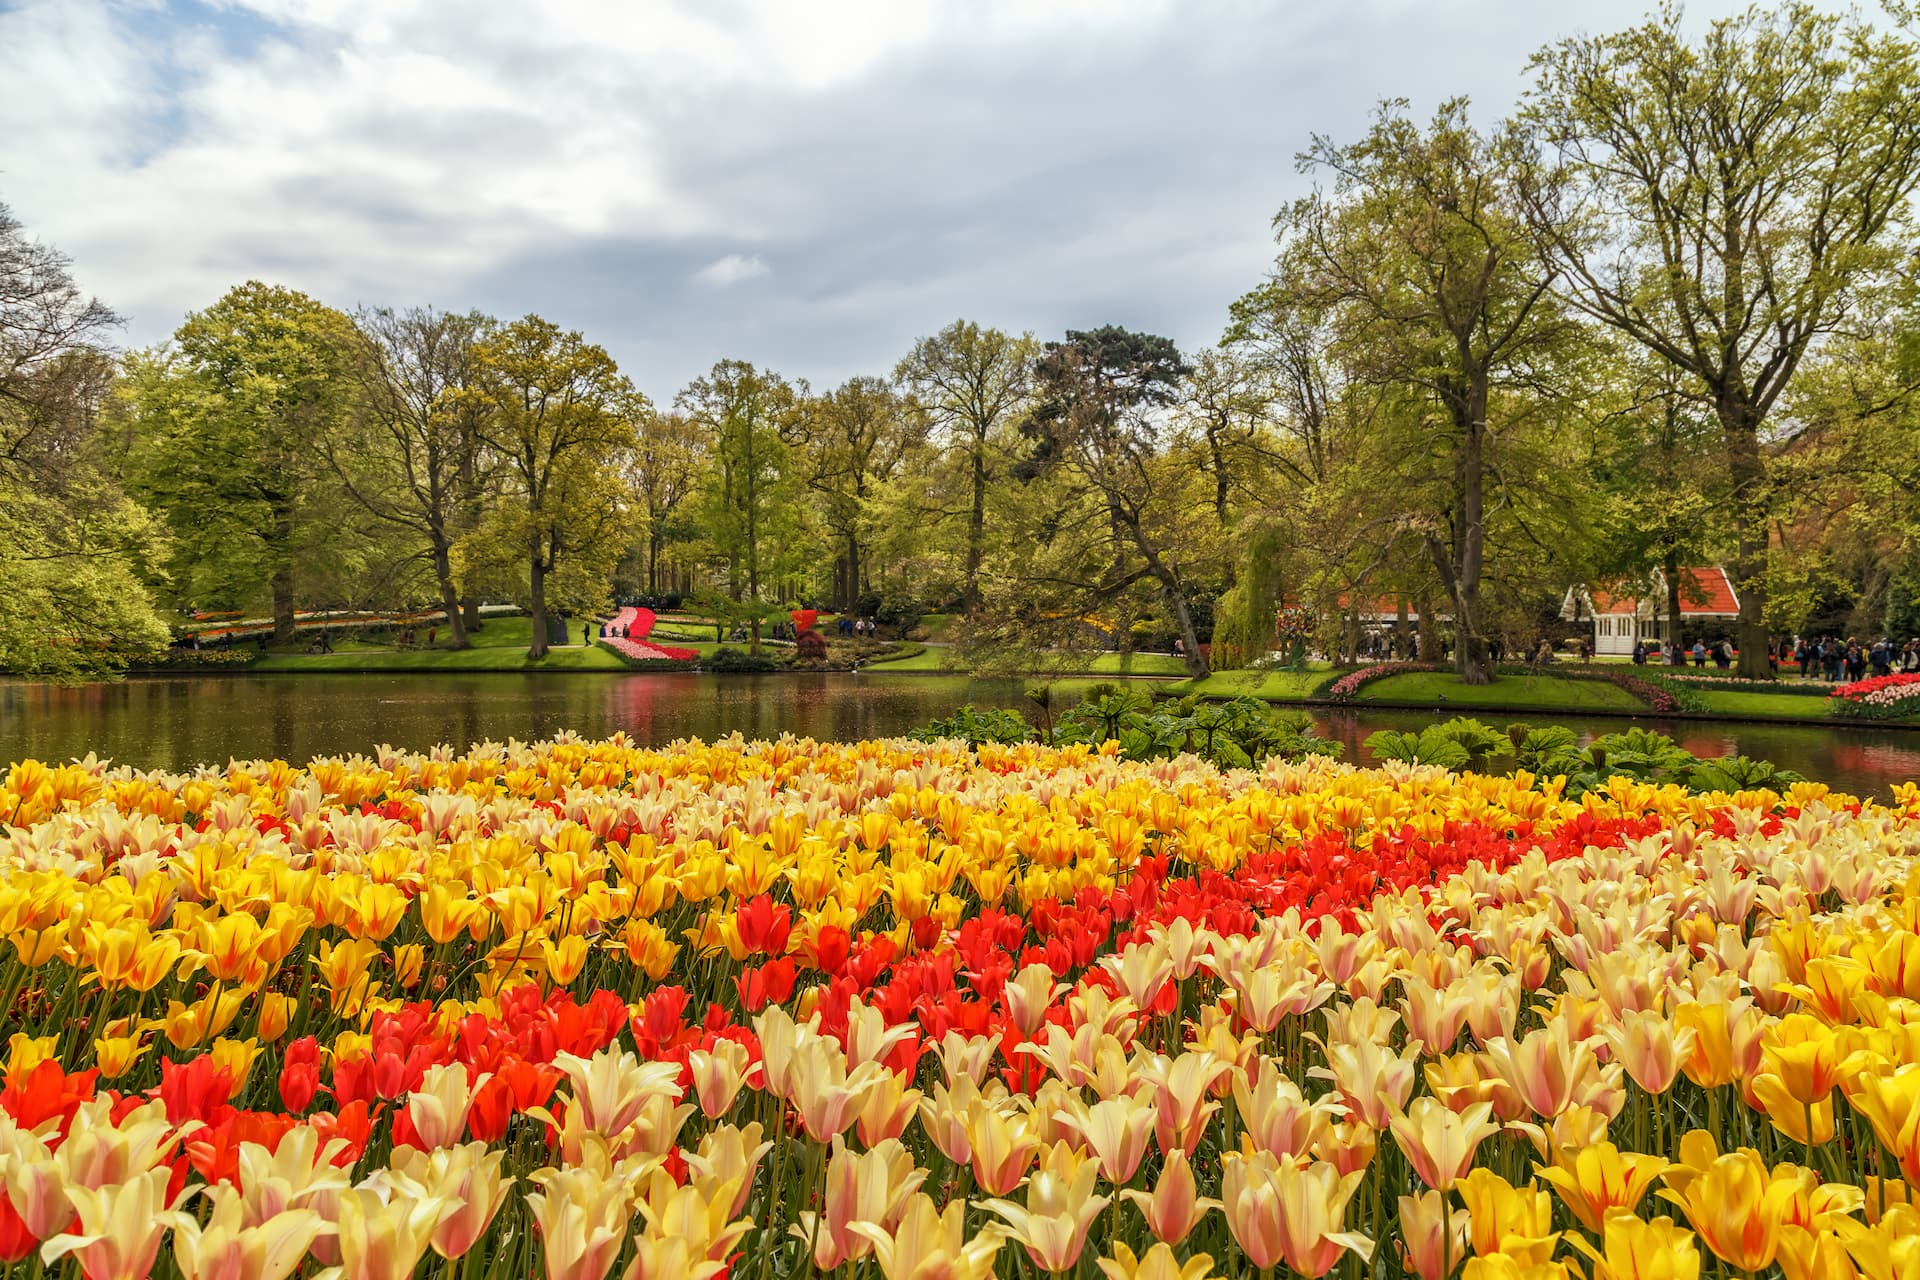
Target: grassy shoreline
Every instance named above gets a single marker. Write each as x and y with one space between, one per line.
501 648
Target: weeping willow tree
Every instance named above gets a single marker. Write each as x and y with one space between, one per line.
1244 619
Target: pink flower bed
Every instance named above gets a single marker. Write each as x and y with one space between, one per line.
638 624
1346 686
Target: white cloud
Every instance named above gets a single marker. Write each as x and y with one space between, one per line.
732 269
904 161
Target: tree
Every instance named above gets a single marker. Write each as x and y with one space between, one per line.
1653 464
856 438
974 382
1723 204
413 454
1333 522
76 556
225 423
1422 249
750 511
562 419
1098 424
667 465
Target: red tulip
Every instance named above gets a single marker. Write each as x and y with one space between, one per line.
764 928
771 983
300 1074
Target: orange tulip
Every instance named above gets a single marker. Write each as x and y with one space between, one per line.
1433 1239
873 1188
1175 1206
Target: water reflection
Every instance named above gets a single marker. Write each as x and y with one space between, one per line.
174 722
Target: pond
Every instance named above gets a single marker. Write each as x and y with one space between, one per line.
175 722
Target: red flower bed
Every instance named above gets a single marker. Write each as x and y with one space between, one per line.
1881 698
638 624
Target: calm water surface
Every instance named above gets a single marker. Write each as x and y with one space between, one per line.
176 722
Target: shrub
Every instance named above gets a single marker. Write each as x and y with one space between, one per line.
1459 743
974 727
196 659
730 661
1552 751
1235 734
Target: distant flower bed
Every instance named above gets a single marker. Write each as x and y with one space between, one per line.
1678 676
1344 689
1659 692
1881 698
637 624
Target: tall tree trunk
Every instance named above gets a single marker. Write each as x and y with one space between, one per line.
1460 565
449 595
537 603
853 569
976 527
470 612
1748 474
653 563
1175 599
283 628
1671 569
1400 626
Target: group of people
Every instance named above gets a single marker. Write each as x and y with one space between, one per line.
1721 653
857 626
1819 658
1835 659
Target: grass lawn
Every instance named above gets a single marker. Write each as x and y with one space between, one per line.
1138 664
1734 702
1275 686
1442 689
938 624
925 660
501 645
936 659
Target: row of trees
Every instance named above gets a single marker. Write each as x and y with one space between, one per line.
1662 314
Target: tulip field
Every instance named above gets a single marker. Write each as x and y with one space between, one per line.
913 1011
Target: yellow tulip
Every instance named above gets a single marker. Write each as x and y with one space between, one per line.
1737 1208
1517 1222
1595 1182
1439 1143
120 1226
1157 1264
1279 1211
1052 1224
933 1242
228 1247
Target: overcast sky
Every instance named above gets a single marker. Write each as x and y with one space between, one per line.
805 185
